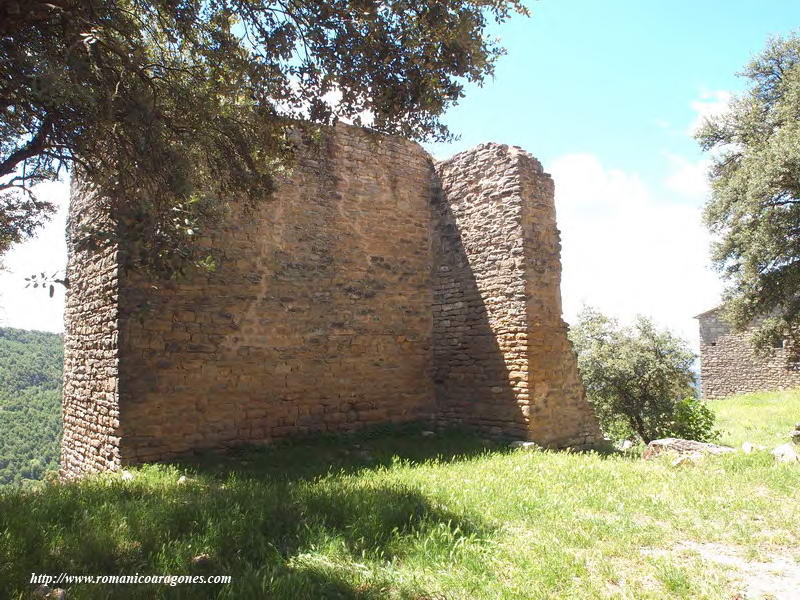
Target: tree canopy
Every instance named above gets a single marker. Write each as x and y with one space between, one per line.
754 210
173 109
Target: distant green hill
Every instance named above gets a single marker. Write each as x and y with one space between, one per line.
31 363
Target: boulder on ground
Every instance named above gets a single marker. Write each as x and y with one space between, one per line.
786 453
678 446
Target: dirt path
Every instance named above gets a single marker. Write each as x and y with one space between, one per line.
777 578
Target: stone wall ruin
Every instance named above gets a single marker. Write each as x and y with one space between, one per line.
729 365
375 287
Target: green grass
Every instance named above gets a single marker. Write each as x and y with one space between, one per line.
763 418
407 516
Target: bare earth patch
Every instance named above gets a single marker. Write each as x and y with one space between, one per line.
777 578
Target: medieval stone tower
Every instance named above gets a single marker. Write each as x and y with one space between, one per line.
375 287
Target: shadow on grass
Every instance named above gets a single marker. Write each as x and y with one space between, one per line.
263 517
310 458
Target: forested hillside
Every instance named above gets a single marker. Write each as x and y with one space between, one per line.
30 403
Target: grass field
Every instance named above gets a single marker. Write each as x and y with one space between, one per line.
762 418
407 516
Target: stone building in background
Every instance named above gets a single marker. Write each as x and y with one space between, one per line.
729 365
375 287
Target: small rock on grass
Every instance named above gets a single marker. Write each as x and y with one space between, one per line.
428 434
749 448
202 560
44 591
126 475
691 458
680 446
524 444
795 435
623 445
786 453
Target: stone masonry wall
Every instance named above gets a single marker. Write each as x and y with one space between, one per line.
318 318
558 411
90 406
371 289
728 364
502 360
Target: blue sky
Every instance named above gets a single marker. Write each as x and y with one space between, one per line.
583 74
605 94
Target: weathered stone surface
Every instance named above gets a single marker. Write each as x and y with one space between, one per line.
786 453
502 360
688 447
373 288
729 365
90 406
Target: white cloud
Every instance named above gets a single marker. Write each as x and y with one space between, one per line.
29 308
627 253
689 179
711 103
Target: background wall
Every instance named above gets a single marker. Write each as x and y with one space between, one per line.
728 364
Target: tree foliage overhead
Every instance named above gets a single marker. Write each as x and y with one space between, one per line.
755 206
176 107
639 379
